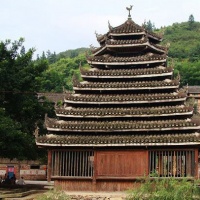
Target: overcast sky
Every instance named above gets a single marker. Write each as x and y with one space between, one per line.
59 25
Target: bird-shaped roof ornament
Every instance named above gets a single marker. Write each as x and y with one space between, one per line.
129 9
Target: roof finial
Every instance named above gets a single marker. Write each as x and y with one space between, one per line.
110 27
129 9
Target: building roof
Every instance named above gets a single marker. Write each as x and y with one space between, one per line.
119 125
129 97
194 89
129 27
101 140
128 60
133 73
127 45
123 112
124 98
131 85
53 97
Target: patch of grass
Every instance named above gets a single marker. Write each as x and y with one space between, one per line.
165 189
57 194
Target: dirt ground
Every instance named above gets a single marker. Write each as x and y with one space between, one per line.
40 185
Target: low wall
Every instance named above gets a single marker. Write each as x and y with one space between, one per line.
98 185
23 168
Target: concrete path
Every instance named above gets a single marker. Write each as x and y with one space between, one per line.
103 194
39 182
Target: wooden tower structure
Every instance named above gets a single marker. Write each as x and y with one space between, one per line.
127 119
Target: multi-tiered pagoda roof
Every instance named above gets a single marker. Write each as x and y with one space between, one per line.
128 97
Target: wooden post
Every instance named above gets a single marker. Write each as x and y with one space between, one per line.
196 164
49 165
19 168
147 171
174 164
94 184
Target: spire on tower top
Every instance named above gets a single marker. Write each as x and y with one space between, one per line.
129 9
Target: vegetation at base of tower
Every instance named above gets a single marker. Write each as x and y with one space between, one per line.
53 194
165 189
20 110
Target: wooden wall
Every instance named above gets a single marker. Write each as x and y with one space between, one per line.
74 185
116 185
100 185
122 163
114 170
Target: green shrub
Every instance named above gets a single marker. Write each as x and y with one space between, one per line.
165 189
54 194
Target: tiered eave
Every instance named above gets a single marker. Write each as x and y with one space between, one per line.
129 97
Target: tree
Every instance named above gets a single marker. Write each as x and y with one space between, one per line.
149 26
13 142
59 74
183 40
43 57
18 85
51 57
191 21
194 53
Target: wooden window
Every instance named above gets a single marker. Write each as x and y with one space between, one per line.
34 166
72 163
175 163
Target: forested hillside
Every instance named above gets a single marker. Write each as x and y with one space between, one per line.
184 50
184 39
